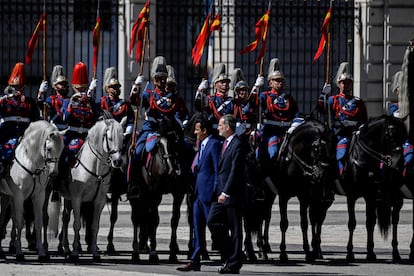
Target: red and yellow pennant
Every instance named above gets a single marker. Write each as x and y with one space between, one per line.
41 24
138 31
216 23
198 49
96 41
325 31
261 34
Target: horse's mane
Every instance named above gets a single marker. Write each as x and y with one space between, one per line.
35 134
95 133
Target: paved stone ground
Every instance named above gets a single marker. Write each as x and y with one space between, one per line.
334 239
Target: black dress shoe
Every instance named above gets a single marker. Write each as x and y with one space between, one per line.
189 267
228 270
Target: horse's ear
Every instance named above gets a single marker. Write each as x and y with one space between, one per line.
63 132
123 121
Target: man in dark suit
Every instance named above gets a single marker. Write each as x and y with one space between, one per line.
226 211
205 168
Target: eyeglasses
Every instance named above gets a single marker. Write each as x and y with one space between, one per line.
279 80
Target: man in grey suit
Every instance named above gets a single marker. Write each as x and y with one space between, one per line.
205 168
226 211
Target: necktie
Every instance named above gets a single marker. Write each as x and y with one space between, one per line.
223 149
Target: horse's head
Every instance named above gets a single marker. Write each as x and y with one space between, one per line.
112 142
382 138
169 145
52 149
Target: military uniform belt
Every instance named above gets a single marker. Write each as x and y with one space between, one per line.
78 129
16 119
276 123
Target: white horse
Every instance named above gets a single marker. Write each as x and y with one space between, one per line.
36 160
90 181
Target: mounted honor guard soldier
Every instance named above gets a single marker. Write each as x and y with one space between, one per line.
17 111
52 105
80 112
157 103
120 110
347 112
245 104
278 110
218 104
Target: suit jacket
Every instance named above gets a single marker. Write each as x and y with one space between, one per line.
231 172
206 172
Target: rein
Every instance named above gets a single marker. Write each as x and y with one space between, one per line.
386 159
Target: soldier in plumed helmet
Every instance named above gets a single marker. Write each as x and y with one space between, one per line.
51 107
220 102
347 111
158 102
17 111
80 112
279 110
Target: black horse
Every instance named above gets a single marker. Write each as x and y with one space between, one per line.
375 161
306 169
164 170
258 207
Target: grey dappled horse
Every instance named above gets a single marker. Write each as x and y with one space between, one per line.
90 181
36 160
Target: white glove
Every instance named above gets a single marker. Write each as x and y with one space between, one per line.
92 87
203 85
42 91
43 87
259 81
139 80
326 90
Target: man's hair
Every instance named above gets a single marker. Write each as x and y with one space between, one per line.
230 121
206 124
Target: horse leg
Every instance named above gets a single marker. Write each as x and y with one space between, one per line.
110 248
350 257
28 219
63 246
4 219
317 217
38 204
134 202
152 233
284 224
248 244
76 207
175 219
370 225
97 211
395 219
304 223
18 222
267 218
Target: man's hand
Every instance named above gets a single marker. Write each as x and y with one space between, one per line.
42 90
326 90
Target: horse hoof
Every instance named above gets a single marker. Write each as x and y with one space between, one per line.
44 259
371 257
411 257
153 258
310 258
350 258
204 256
173 258
96 259
60 249
266 248
2 255
135 257
396 258
283 257
110 248
20 258
74 258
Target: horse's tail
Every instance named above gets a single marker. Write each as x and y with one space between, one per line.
384 215
53 211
